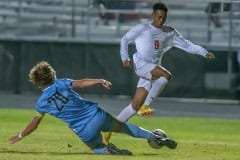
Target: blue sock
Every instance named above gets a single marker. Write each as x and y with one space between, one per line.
101 150
136 131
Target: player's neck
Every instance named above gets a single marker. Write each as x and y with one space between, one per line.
156 26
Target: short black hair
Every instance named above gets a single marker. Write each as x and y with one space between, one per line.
160 6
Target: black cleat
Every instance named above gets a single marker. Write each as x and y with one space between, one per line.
112 149
170 143
166 142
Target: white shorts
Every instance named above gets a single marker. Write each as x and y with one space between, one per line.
143 69
145 83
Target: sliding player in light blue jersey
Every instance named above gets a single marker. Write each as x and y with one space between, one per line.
84 117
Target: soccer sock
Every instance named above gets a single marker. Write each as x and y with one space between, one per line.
156 89
106 137
126 113
100 150
136 131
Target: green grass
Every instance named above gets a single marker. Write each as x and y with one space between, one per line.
199 139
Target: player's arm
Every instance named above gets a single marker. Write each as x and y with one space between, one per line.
82 83
210 55
28 130
130 36
180 42
126 61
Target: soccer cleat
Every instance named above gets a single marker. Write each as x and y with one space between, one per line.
170 143
145 110
112 149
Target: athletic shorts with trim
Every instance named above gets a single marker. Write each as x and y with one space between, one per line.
143 70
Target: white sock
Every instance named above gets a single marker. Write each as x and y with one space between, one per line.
156 89
126 113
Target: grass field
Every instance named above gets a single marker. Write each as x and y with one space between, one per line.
199 139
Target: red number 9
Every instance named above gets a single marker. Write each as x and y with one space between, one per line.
156 44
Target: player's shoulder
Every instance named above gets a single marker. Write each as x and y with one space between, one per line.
166 28
141 26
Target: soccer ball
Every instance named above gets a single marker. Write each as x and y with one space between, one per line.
152 142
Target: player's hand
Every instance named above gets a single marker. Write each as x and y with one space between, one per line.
15 138
210 55
106 84
127 63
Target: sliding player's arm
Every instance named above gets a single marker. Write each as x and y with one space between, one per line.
82 83
28 130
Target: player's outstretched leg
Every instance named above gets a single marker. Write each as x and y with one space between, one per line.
138 132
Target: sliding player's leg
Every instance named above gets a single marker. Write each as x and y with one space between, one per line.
91 135
137 132
132 108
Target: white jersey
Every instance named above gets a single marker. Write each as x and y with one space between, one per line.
151 42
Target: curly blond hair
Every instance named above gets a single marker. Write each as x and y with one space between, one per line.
42 74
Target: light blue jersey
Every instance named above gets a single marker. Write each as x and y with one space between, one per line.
61 101
85 118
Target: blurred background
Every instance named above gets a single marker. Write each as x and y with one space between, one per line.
80 38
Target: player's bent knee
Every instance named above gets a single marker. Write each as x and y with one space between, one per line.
169 76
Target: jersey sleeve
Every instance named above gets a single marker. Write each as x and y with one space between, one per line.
180 42
68 83
39 110
39 115
130 36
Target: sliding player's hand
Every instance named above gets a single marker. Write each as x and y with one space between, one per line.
15 139
106 84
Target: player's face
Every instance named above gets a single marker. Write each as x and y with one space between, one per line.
159 18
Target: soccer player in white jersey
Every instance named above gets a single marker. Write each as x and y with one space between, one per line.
83 117
152 40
